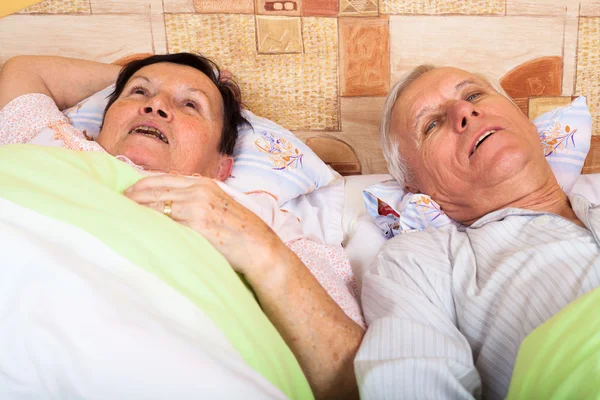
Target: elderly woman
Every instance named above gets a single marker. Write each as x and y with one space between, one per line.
447 309
173 114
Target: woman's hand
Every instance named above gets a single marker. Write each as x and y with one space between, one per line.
322 337
199 203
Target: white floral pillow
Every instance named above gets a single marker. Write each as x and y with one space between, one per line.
565 135
268 157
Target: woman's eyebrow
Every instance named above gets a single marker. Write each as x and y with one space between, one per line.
201 93
139 77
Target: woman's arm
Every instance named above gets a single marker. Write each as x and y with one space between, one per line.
66 80
322 337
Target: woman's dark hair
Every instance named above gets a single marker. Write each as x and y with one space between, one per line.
230 92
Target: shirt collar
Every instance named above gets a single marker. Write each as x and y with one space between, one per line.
581 206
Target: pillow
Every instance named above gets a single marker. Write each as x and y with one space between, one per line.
396 211
270 158
320 212
267 156
362 239
565 135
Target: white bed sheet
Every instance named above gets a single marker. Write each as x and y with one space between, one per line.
69 304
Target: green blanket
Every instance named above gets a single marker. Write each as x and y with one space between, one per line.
84 190
561 358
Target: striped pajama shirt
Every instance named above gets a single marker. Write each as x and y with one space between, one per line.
447 309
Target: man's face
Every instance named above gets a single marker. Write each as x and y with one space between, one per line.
467 146
169 118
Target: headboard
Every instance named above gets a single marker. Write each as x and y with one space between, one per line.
322 68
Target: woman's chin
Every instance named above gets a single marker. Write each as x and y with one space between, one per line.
145 157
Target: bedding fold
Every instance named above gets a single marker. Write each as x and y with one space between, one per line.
83 191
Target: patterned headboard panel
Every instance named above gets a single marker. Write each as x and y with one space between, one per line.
322 68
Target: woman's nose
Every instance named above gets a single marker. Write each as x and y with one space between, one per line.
157 105
161 113
464 113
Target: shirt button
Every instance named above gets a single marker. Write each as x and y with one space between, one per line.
543 220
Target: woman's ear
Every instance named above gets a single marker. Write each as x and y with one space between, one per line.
225 167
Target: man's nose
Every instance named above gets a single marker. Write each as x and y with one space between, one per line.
464 113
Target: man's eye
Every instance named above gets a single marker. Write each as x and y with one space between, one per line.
473 96
431 126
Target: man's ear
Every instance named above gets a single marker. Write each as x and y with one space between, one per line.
225 167
412 187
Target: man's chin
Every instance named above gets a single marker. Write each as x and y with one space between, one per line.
506 163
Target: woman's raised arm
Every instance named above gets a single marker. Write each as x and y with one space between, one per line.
66 80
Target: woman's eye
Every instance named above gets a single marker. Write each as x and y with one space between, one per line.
138 90
473 96
431 126
191 104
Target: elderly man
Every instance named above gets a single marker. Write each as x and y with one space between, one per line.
447 309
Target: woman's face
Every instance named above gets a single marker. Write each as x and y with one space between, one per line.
169 118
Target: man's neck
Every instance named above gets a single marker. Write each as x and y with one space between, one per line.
548 198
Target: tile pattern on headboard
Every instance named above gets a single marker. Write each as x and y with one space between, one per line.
323 67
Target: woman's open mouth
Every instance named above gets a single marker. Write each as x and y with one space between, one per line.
151 132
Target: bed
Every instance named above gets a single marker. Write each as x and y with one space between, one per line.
326 82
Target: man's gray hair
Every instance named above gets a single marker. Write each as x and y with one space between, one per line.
390 143
389 140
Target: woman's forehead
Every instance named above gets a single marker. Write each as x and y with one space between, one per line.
180 77
165 72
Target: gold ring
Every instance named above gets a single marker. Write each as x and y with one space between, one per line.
167 208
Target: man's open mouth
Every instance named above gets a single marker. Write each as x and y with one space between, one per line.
150 131
481 139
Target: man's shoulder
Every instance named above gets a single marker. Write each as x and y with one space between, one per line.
422 249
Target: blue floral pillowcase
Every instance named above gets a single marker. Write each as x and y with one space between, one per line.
268 157
565 135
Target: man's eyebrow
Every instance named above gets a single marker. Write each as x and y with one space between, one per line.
464 83
424 111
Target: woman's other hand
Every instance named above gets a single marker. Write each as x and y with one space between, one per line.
199 203
322 337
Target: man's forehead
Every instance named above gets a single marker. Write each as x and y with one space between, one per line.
431 87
